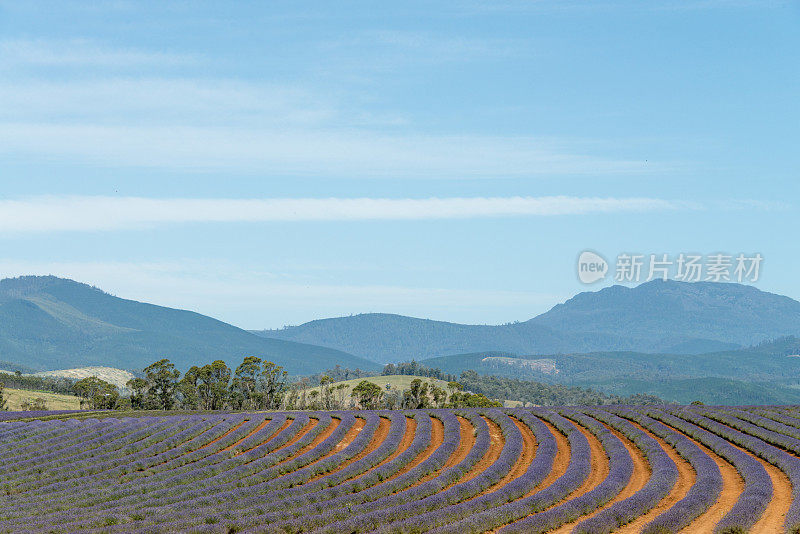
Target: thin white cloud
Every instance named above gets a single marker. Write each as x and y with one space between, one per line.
93 213
315 152
81 53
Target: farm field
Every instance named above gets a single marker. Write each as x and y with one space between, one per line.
663 469
54 401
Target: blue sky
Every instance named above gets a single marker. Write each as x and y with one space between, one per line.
272 164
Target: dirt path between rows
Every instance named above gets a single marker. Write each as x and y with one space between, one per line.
283 427
686 479
523 462
225 434
257 429
437 440
405 443
496 443
377 439
775 514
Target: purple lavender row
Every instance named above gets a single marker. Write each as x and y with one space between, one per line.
399 490
32 447
771 424
620 470
703 493
537 513
779 416
238 503
20 433
70 443
316 502
61 468
110 501
186 512
97 469
757 484
664 474
11 416
90 474
192 485
426 496
170 437
463 498
483 512
764 444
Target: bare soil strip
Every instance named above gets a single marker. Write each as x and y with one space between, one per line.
283 427
560 462
496 444
405 443
775 514
437 439
377 439
264 423
686 479
465 444
524 460
210 443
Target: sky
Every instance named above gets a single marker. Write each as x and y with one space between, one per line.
273 163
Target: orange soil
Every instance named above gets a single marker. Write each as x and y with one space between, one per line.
405 443
302 432
686 479
775 514
437 439
283 427
732 486
560 462
496 444
379 437
210 443
264 423
524 460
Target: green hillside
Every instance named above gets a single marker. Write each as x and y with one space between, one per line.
657 317
51 323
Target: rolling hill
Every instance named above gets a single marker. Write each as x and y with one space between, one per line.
655 317
49 323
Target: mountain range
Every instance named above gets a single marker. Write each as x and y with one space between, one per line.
51 323
654 317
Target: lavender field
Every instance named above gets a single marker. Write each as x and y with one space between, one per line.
577 469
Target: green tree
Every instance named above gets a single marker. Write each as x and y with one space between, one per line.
189 397
272 387
162 379
369 395
139 396
439 396
3 405
245 383
96 394
326 392
36 405
212 385
416 396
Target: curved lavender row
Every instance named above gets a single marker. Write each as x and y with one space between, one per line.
790 443
450 505
109 498
620 470
757 440
139 454
10 416
664 474
400 489
73 436
317 502
472 516
112 444
778 416
60 468
238 502
60 494
199 483
535 513
703 493
757 484
22 434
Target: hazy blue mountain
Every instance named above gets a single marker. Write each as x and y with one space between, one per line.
53 323
658 316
